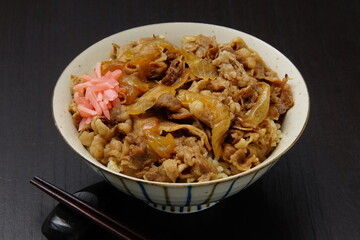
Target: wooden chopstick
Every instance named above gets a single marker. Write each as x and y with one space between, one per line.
93 214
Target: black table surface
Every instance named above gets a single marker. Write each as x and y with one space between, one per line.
313 192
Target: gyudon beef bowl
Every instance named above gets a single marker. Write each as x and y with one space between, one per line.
181 115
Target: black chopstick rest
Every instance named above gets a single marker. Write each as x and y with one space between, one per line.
63 223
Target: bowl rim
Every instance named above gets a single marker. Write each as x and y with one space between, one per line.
262 165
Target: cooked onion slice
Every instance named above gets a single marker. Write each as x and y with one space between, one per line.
210 111
149 99
259 111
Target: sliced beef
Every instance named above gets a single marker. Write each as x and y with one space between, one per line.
183 113
202 46
156 70
169 102
140 154
170 55
241 162
173 72
157 174
284 100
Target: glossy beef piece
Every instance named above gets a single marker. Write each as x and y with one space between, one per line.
173 72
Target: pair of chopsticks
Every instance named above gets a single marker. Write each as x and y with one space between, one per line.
81 207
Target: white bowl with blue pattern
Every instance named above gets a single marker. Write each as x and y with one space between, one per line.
182 197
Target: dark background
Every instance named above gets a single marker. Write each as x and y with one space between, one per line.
313 192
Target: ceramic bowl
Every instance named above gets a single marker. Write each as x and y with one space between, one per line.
182 197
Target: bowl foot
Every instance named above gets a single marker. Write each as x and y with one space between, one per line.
182 209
